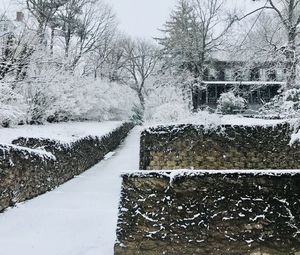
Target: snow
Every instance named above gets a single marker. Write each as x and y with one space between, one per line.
38 152
213 120
173 174
79 217
259 83
63 132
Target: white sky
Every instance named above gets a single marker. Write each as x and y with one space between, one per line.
142 18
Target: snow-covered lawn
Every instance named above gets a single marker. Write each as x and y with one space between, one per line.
63 132
79 217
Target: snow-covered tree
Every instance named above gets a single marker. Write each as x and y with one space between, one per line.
12 106
284 105
17 49
165 104
43 11
181 41
67 21
194 31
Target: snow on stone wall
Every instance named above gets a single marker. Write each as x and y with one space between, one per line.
220 147
26 171
204 213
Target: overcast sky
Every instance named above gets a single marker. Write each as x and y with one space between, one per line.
143 18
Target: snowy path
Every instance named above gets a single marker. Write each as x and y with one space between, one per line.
78 218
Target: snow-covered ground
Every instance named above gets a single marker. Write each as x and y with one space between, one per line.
78 218
64 132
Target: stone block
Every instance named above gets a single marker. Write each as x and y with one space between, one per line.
209 214
262 147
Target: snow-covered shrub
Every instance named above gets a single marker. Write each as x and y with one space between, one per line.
106 101
229 103
38 107
12 106
170 112
62 96
165 104
137 116
286 105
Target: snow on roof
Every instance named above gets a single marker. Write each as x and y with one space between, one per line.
244 82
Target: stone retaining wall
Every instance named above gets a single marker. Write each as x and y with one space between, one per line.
223 147
26 173
209 214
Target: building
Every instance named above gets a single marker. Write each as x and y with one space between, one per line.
257 83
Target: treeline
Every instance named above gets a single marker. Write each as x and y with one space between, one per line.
62 52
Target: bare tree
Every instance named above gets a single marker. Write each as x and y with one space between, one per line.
100 58
214 24
288 12
68 20
116 61
141 58
43 11
96 23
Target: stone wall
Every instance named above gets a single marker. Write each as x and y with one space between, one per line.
209 214
28 172
223 147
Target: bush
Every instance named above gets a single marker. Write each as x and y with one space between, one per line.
12 107
229 103
165 104
70 98
285 105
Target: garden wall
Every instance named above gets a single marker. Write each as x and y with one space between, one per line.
222 147
209 214
27 172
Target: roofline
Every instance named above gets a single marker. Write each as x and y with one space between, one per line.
243 83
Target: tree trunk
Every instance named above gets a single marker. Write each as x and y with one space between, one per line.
142 99
67 47
41 32
67 40
52 42
200 66
291 61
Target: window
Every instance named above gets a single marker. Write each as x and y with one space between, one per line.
221 75
228 74
271 75
254 74
238 75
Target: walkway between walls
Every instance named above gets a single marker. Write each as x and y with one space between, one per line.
79 217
